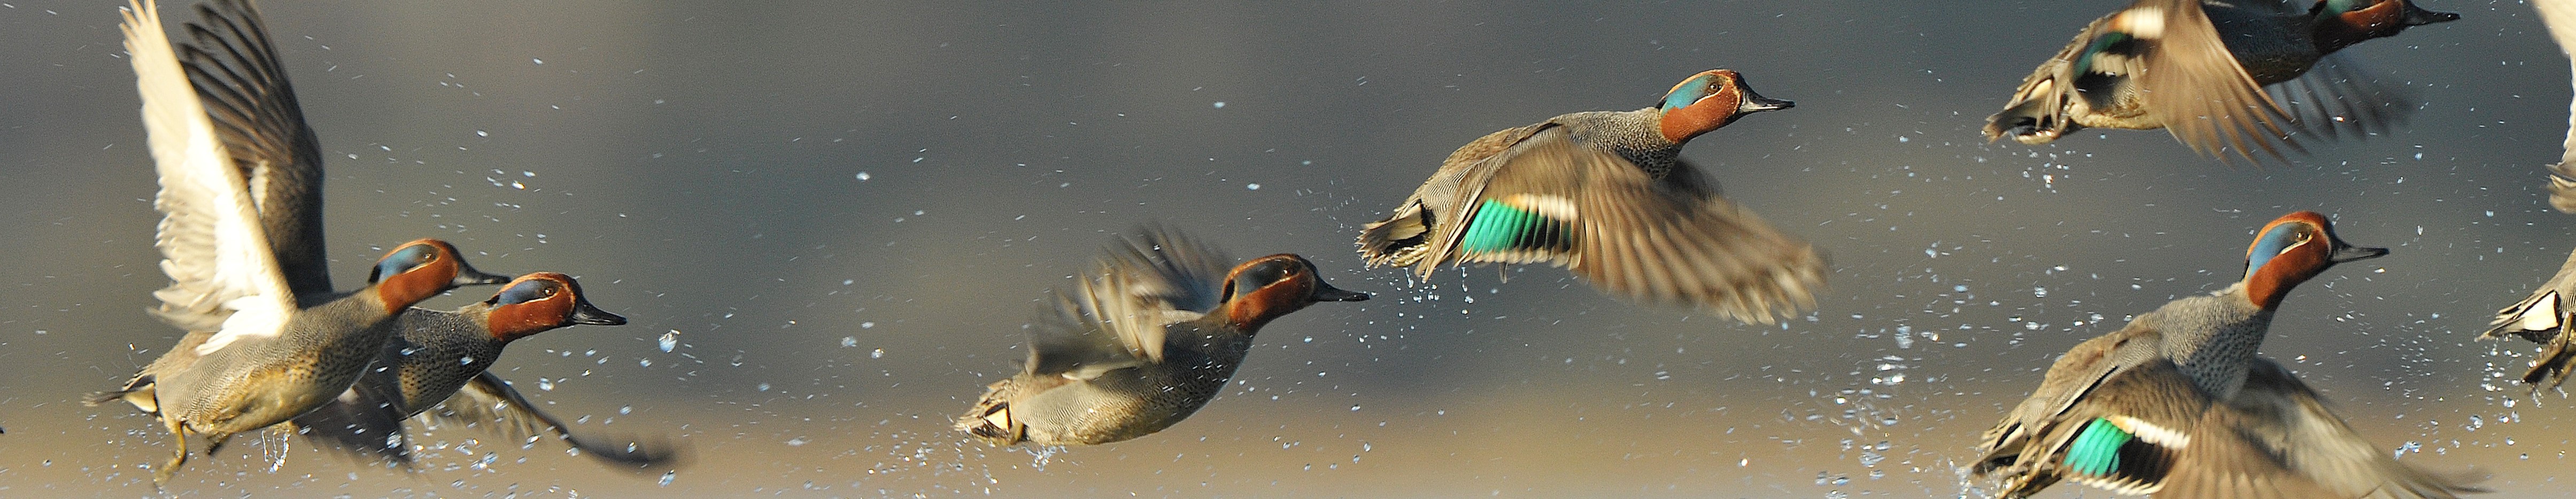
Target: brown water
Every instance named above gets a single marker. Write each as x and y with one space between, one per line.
847 210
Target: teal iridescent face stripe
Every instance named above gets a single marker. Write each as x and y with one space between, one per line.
402 260
1690 91
523 292
2096 449
2273 242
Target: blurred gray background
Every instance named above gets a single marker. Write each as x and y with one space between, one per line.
847 210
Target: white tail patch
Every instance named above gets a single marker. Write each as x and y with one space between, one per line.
2542 315
999 419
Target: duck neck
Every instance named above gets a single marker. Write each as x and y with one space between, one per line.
1635 135
2213 339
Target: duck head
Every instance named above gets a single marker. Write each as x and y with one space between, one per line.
2292 249
1708 101
1268 287
2341 23
420 269
539 302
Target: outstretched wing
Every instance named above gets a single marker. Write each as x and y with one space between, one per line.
1550 199
2285 417
2194 86
242 84
2338 97
223 275
2560 16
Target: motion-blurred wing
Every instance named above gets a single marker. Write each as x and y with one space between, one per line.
2284 417
1115 317
2337 97
489 402
2196 88
1556 201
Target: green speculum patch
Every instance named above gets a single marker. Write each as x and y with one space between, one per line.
2096 449
1499 227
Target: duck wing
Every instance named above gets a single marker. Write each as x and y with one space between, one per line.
243 87
2019 440
2283 416
2138 427
224 277
1550 199
489 401
2560 16
2196 88
365 422
2337 97
1115 316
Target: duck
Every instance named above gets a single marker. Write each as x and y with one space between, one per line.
2178 404
1148 336
267 363
1607 194
442 356
2197 69
2542 318
2560 18
240 239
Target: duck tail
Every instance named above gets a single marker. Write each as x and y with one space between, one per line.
2036 116
1402 239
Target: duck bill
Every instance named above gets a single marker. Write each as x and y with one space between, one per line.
2344 253
2417 16
1326 292
1755 103
584 313
467 276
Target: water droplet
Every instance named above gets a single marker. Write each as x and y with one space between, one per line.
849 341
863 176
670 340
666 477
1219 104
468 360
878 354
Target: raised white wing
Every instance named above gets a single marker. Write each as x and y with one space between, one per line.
223 276
2560 16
